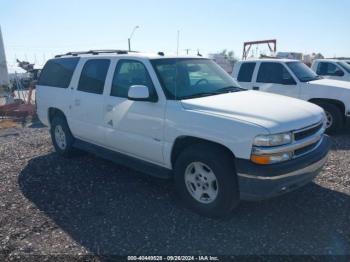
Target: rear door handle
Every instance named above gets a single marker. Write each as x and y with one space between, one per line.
77 102
256 88
109 108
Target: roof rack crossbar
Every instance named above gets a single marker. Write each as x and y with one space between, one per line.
96 52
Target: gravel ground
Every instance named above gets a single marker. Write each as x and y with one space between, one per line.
86 205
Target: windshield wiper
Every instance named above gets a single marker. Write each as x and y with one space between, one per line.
199 95
308 79
229 89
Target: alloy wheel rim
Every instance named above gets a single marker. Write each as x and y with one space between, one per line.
60 137
201 182
329 120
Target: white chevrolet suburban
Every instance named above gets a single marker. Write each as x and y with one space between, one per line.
332 69
182 117
293 78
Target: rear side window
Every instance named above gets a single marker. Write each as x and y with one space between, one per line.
246 72
129 73
58 72
93 76
275 73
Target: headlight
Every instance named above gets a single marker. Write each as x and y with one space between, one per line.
273 140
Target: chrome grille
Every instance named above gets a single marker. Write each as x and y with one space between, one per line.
311 132
305 150
306 132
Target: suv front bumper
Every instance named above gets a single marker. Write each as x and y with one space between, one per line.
258 182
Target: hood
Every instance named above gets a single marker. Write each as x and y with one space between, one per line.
274 112
331 82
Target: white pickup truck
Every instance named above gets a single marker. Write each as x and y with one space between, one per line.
332 69
182 117
293 78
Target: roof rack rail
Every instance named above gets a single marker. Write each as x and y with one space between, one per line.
96 52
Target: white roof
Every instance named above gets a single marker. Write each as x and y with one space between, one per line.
331 60
270 60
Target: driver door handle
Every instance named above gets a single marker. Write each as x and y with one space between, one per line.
256 88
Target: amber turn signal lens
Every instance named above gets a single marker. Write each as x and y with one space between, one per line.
270 159
262 160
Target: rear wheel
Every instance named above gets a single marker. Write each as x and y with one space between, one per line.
206 180
61 136
334 118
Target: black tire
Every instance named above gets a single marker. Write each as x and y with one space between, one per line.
337 117
67 150
222 164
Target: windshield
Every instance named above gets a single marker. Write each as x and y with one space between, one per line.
345 66
302 72
184 78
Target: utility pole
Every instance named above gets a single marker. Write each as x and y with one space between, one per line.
178 40
4 78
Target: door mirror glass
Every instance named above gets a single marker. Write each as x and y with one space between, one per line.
339 73
288 81
139 93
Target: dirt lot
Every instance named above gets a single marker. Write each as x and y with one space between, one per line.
86 205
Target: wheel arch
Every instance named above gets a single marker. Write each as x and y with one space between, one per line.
53 112
183 142
339 104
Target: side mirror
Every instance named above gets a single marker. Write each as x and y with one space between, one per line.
339 73
288 81
139 93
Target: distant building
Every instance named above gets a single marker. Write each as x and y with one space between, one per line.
290 55
306 58
309 58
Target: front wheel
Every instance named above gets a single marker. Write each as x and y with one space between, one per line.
206 180
334 119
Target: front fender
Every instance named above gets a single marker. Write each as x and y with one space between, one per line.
235 135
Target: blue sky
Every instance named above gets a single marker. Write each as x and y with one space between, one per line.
36 29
